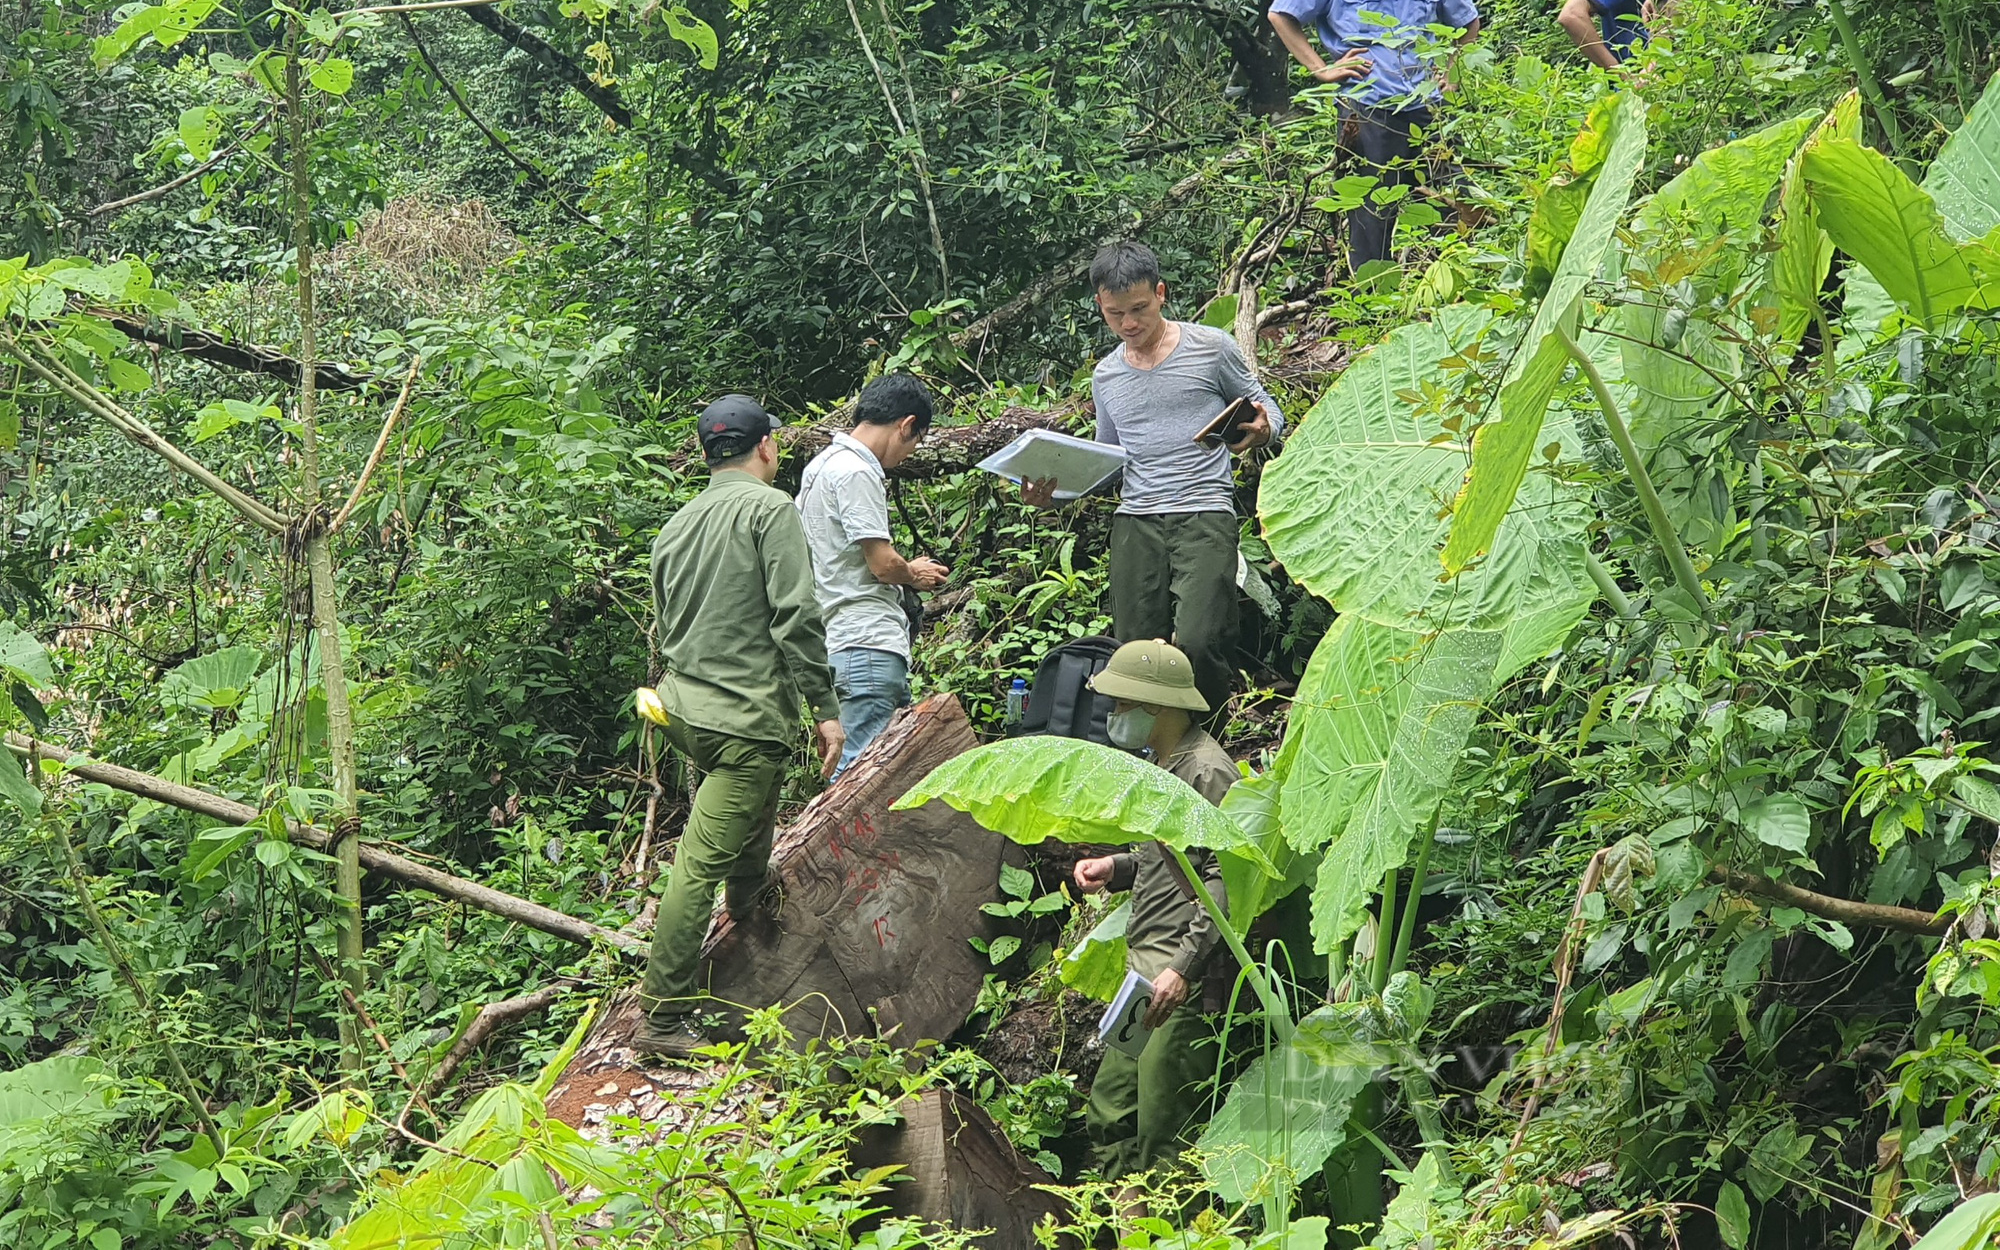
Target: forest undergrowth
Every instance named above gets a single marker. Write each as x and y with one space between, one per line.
1621 614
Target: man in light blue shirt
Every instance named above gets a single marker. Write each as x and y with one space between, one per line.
1387 86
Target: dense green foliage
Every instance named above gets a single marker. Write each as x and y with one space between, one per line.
1649 545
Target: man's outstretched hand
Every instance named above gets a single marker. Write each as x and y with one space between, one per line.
831 738
1038 492
927 574
1170 990
1255 433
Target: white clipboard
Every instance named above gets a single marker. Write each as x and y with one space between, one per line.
1077 464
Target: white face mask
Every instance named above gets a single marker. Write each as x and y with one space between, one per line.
1131 728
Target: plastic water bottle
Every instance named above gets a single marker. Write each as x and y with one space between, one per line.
1017 701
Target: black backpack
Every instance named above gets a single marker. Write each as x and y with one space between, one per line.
1060 702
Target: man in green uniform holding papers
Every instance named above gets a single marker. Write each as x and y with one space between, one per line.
742 644
1140 1108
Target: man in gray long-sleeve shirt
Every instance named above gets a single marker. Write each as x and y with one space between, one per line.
1173 541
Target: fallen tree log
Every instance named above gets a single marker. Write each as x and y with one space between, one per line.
946 450
216 350
374 858
491 1019
1077 265
1827 907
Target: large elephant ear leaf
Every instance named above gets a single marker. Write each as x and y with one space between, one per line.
1354 508
1502 448
1035 788
1873 212
1964 183
1377 728
1798 269
1698 236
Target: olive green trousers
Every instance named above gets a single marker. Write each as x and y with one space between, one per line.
1173 576
1141 1110
727 842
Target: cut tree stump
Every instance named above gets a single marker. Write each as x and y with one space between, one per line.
872 934
871 937
960 1170
878 906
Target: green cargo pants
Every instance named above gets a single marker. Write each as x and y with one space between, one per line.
1140 1109
1173 576
727 841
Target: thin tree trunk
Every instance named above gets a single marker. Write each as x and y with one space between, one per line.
318 554
378 860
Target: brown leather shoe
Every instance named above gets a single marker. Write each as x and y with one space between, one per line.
676 1037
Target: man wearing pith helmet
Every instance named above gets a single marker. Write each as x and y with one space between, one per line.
1141 1108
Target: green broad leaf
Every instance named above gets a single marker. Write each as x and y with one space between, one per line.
268 70
1502 448
1964 178
1016 882
1670 356
217 680
1971 1225
334 75
51 1091
323 26
1253 803
1096 968
127 34
1558 208
1035 788
1002 946
1798 269
1221 312
1873 212
24 659
126 376
1977 795
112 284
1288 1112
213 848
1732 1216
225 415
1408 1220
1378 725
199 128
1306 1234
1780 820
1351 508
10 425
16 788
683 25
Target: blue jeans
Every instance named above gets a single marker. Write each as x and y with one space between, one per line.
871 684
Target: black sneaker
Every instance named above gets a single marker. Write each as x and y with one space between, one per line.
675 1038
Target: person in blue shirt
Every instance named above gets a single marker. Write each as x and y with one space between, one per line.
1387 88
1607 31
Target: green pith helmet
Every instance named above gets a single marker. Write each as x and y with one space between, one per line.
1150 672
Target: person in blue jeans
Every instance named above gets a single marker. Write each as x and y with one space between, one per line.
858 575
1607 31
1375 56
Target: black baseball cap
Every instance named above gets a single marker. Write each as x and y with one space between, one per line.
733 425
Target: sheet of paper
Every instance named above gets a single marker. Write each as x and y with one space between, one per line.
1077 464
1123 1024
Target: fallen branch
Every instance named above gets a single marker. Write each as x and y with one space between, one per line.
375 859
167 188
1078 263
491 1019
947 450
1283 312
381 445
213 349
1827 907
